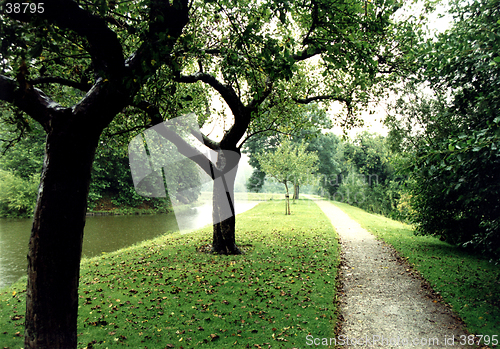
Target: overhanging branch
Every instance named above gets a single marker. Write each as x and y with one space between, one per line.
226 91
153 111
104 46
306 54
259 99
32 101
322 98
61 81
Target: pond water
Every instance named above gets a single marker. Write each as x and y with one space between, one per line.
102 234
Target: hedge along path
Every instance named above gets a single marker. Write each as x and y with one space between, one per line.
381 299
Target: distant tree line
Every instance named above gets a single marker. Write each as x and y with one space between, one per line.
361 171
111 186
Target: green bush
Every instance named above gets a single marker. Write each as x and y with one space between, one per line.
17 195
368 193
457 189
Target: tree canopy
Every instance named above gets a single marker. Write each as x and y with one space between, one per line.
447 121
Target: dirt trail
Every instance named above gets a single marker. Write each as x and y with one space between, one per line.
380 299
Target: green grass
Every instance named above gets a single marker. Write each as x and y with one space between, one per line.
469 283
262 196
163 293
207 197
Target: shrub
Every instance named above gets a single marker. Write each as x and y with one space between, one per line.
17 195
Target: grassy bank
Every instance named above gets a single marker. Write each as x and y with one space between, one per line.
469 283
164 294
238 196
106 207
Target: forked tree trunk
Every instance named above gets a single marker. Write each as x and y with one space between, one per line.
55 244
224 232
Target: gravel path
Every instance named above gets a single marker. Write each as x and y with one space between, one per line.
382 304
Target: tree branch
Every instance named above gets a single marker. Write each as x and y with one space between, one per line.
32 101
188 151
260 99
61 81
315 20
307 53
226 91
212 51
104 46
210 143
321 98
262 131
165 18
153 111
182 146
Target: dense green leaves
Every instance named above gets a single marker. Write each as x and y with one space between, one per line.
452 133
17 195
367 177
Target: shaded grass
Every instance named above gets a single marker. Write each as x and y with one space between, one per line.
164 294
469 283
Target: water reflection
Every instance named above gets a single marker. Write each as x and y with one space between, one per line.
102 234
14 238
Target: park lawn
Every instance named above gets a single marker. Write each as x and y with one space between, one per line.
162 293
467 282
206 196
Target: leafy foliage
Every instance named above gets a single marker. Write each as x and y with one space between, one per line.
111 179
368 179
362 171
256 145
453 135
17 195
20 168
328 148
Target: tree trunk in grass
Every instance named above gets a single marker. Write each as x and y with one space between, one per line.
287 200
73 132
55 244
224 237
296 190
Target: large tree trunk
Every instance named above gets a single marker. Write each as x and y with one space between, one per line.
55 244
224 239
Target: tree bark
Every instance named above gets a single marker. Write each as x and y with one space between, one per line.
224 230
296 190
287 201
55 244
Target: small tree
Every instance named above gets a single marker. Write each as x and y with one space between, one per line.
289 164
